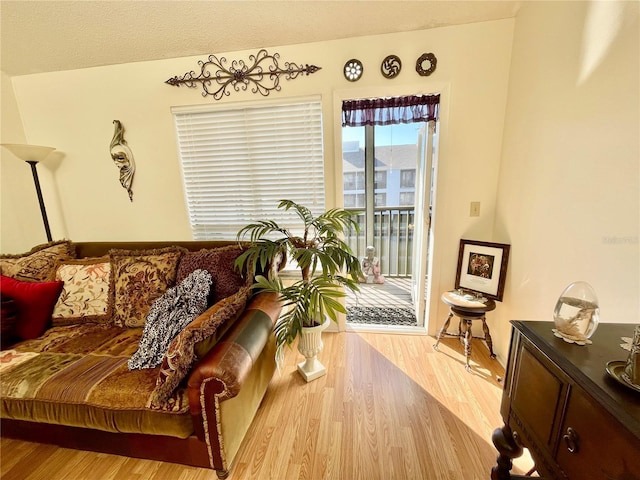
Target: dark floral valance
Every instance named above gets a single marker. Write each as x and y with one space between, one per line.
389 111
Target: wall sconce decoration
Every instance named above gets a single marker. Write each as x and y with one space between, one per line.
123 158
263 74
353 70
391 66
426 64
32 154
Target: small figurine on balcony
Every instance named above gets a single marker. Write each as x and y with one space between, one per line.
371 268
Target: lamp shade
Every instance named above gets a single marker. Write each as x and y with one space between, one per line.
34 153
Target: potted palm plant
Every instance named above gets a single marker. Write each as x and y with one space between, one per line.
327 265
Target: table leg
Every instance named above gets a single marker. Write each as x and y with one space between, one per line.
487 337
468 336
508 449
443 330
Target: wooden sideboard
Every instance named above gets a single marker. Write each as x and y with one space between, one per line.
559 402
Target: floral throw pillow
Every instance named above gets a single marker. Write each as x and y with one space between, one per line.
138 278
8 266
38 264
169 315
85 295
181 355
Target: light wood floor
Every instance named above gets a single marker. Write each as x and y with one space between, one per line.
389 408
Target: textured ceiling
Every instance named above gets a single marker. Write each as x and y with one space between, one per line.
44 36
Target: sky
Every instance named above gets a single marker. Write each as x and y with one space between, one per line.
401 134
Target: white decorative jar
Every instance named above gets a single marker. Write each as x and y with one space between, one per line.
577 314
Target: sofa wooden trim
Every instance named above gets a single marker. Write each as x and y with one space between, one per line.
189 451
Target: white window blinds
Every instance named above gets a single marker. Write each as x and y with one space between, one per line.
238 162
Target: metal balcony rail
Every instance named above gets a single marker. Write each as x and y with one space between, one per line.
393 238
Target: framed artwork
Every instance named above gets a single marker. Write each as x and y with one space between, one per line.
482 267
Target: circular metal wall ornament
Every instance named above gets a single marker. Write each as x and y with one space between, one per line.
353 70
426 64
391 66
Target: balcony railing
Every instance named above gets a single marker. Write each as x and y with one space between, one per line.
392 239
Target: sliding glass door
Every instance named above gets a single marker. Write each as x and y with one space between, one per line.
387 178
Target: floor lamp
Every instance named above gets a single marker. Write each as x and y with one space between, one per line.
32 154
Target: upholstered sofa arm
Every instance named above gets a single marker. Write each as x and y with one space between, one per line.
223 372
235 372
230 360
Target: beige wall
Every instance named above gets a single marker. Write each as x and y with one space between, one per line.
21 225
74 110
569 179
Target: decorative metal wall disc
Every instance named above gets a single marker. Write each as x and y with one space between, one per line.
353 70
391 66
426 64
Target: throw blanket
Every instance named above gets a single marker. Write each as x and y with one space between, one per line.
170 313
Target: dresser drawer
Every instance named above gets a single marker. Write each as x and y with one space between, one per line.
536 396
560 404
594 445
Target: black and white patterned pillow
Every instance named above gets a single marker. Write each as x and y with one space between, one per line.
170 313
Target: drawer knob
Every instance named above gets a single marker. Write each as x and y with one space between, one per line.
516 439
571 440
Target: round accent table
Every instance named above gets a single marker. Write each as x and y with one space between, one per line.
467 308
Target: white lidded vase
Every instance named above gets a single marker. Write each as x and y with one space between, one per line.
577 314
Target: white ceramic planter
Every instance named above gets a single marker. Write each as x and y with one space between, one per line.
310 345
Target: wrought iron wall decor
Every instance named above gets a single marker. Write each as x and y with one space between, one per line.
262 73
391 66
353 70
123 158
426 64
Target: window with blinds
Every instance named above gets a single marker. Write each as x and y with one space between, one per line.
239 162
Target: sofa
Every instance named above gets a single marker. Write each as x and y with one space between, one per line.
85 362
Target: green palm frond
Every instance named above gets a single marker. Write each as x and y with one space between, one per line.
336 221
260 230
303 212
327 263
259 256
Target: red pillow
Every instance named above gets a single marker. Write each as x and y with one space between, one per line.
34 301
8 320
